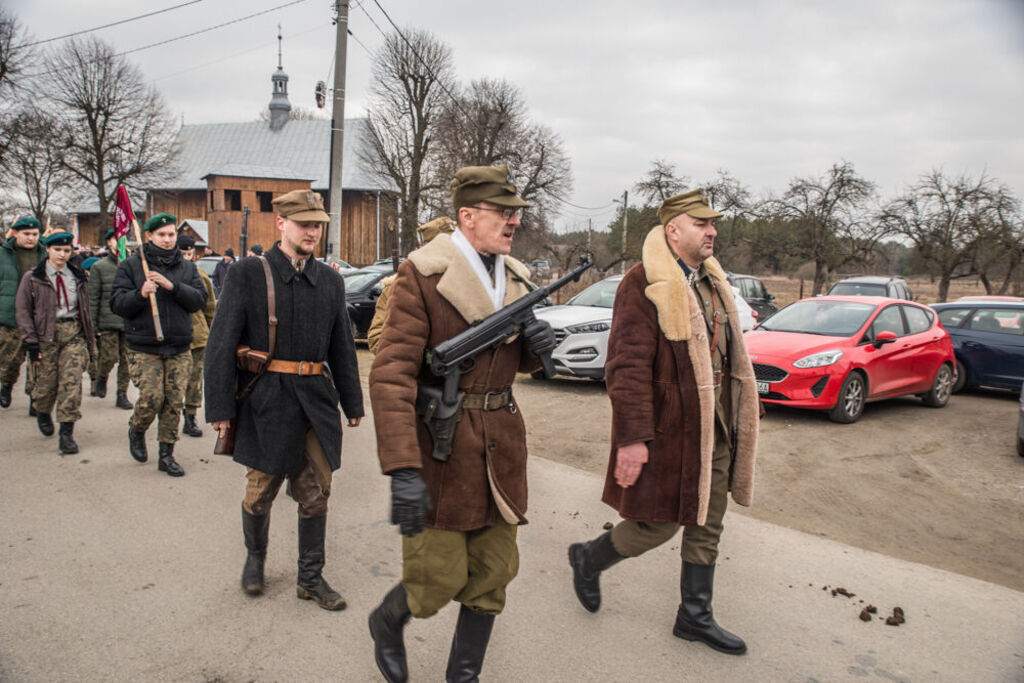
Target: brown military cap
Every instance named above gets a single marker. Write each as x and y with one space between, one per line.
493 184
429 231
692 203
302 205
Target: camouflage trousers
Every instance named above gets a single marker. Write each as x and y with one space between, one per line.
59 373
12 355
194 393
162 381
111 349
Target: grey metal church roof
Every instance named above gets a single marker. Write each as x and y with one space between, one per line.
300 149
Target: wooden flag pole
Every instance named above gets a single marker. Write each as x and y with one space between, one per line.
145 271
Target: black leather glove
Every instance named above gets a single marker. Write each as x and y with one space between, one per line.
33 351
409 500
540 338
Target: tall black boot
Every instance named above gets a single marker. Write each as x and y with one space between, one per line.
695 620
469 645
99 387
137 444
122 401
189 427
67 440
255 528
32 409
386 625
45 423
167 463
588 560
5 395
311 583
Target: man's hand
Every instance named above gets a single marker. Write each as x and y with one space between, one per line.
409 500
354 421
540 338
148 287
629 460
222 427
159 279
34 356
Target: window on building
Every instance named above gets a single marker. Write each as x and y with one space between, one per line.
233 200
211 200
265 199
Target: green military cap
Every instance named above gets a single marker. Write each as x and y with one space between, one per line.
493 184
305 206
26 223
186 241
429 231
692 203
59 239
160 220
110 233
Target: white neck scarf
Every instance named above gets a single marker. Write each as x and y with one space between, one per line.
495 291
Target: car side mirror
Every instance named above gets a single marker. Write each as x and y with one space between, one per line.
884 337
377 289
769 297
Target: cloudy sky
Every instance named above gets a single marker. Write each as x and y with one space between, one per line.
768 89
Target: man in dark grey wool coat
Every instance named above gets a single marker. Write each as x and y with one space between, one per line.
289 427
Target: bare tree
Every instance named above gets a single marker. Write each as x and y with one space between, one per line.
661 182
296 114
35 158
410 77
829 214
14 54
119 130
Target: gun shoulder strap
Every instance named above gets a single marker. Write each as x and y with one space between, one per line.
271 307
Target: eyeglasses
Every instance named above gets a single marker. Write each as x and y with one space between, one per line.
505 213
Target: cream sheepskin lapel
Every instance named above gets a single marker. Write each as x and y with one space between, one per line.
680 319
459 285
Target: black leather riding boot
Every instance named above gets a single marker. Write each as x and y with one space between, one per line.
588 560
695 620
255 529
45 423
67 440
99 387
122 401
137 445
167 463
469 645
189 427
311 583
386 625
5 395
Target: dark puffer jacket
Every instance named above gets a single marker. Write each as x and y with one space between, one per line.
10 278
176 306
101 286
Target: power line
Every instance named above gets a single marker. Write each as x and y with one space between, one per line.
116 23
582 208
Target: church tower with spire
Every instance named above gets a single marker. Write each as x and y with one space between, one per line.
280 107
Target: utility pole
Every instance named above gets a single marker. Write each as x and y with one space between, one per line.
337 129
625 227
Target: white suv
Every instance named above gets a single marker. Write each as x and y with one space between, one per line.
582 324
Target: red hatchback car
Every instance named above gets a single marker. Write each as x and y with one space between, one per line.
836 353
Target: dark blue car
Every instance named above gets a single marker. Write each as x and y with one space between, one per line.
988 340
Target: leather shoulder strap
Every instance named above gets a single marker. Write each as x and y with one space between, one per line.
271 306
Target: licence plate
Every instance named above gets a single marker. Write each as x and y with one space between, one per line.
762 388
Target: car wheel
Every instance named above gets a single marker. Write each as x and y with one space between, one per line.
942 387
850 405
961 378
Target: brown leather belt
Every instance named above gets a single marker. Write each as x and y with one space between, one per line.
492 400
292 367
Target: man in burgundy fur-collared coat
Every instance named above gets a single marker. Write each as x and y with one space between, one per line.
684 415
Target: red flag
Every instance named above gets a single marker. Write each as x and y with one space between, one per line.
123 217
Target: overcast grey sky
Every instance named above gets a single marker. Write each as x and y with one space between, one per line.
766 89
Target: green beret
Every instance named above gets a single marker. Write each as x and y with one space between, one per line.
692 203
160 220
110 233
493 184
26 223
59 239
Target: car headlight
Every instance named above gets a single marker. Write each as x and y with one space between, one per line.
819 360
601 326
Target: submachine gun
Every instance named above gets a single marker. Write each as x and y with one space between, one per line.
441 409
